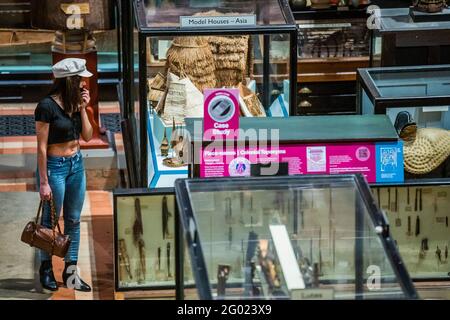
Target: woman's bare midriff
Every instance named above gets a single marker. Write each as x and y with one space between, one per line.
65 149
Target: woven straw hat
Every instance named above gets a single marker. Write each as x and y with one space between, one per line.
429 150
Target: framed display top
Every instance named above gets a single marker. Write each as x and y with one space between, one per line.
438 76
289 238
417 85
399 20
254 15
314 129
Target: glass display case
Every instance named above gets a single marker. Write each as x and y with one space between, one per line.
399 41
423 91
26 49
144 242
332 44
319 237
418 214
188 46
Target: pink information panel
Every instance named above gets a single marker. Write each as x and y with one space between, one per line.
376 163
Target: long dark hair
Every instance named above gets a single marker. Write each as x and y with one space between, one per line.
68 89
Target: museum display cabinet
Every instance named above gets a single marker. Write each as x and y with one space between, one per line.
31 31
418 213
15 14
423 91
298 237
398 40
144 242
418 208
187 46
332 43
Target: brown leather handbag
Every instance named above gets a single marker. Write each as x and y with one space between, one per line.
51 241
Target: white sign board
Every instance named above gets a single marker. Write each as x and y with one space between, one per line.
218 21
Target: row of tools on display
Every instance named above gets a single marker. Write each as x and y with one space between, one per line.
141 272
441 252
259 261
442 258
138 241
334 43
257 258
393 206
262 272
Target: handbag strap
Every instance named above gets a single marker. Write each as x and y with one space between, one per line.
38 212
52 214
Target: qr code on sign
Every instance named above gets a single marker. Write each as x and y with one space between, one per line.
388 159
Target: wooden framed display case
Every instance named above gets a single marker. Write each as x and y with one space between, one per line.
399 41
26 48
332 44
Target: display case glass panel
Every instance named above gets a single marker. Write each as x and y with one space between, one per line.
418 214
289 237
398 40
144 245
166 13
411 83
257 65
333 39
399 19
423 91
331 46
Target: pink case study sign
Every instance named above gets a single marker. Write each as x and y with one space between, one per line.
222 113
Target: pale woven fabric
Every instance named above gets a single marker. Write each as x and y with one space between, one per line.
183 100
194 100
428 151
175 102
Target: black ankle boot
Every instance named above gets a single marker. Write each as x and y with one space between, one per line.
72 279
47 277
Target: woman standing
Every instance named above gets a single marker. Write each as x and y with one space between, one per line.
61 118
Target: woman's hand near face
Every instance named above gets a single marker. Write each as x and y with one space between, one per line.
86 130
85 97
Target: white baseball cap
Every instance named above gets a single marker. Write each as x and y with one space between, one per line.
71 67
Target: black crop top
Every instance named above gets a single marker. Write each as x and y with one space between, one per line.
62 127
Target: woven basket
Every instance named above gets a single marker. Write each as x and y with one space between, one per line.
231 53
192 56
430 6
429 150
231 59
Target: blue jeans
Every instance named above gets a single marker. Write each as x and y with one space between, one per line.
67 180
